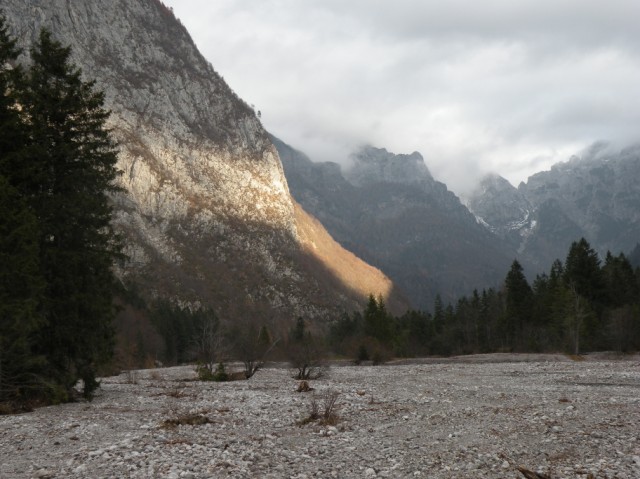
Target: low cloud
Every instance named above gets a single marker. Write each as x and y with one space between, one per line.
502 86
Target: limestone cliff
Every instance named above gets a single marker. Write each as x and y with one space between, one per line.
207 212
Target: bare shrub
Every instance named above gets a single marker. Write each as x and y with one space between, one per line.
314 409
209 346
304 387
306 353
186 420
322 409
177 391
252 345
329 400
131 376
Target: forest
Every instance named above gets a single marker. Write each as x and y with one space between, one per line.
580 305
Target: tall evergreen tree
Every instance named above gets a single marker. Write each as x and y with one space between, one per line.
72 159
20 279
378 323
620 280
20 291
518 304
582 271
585 280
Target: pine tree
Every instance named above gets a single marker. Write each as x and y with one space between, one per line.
518 304
585 280
582 271
20 279
378 323
621 286
72 159
20 288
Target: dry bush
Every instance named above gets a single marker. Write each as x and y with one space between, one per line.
186 420
322 409
576 357
329 405
177 391
304 387
131 376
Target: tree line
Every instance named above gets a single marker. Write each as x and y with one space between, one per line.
57 247
581 304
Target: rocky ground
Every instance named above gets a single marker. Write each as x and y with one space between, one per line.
477 417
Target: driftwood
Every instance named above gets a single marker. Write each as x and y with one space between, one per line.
531 474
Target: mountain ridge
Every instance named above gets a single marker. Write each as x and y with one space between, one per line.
404 222
206 211
594 195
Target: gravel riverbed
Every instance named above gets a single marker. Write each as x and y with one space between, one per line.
475 417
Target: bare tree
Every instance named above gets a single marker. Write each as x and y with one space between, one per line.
579 313
306 353
252 346
209 343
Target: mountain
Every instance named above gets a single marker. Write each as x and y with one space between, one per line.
206 213
389 210
595 196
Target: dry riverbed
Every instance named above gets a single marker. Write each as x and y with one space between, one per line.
475 417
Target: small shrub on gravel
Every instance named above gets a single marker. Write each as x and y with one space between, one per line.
304 387
322 409
377 358
186 420
205 373
576 357
177 391
363 354
131 376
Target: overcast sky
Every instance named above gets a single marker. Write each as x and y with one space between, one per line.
506 86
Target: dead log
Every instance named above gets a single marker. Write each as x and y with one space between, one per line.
531 474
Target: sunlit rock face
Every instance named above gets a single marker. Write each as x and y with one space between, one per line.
206 211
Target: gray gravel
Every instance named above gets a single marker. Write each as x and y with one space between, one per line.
479 417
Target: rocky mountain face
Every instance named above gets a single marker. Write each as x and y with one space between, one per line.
595 196
390 211
206 213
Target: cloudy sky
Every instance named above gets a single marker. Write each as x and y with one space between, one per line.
507 86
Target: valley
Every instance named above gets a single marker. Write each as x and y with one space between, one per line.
477 416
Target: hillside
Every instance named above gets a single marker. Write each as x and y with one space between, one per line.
390 211
206 213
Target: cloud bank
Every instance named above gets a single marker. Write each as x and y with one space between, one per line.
495 86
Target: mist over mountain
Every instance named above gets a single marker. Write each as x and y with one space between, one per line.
389 210
206 211
595 196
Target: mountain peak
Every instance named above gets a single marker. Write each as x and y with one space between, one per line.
377 165
499 205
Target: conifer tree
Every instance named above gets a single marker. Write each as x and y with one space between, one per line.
518 303
20 289
72 160
582 271
378 323
20 279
